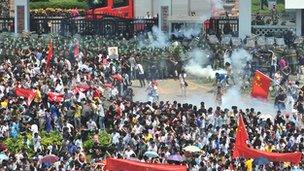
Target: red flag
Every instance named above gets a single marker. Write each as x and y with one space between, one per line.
260 85
81 88
55 97
241 149
50 54
96 93
27 93
241 136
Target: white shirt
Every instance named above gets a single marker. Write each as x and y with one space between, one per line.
91 125
101 111
115 138
129 153
34 129
140 69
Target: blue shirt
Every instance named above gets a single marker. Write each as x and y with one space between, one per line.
221 77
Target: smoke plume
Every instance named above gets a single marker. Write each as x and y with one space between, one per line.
188 31
199 64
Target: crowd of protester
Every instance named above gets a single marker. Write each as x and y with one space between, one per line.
134 128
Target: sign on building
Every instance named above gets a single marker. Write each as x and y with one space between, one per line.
164 18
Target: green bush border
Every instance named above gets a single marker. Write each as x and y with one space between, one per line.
64 4
255 8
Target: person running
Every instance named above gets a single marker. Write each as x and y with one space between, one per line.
183 83
221 79
218 95
229 72
152 91
141 75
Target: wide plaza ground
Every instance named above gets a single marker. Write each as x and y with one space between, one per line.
169 90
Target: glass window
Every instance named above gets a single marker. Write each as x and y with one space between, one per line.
120 3
98 3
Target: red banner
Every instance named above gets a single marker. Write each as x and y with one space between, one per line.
27 93
81 88
55 97
128 165
247 152
241 149
260 85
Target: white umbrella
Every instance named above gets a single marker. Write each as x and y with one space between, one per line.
192 149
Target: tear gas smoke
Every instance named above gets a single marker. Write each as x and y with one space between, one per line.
199 64
188 31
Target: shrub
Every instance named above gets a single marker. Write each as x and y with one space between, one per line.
64 4
39 1
104 140
16 145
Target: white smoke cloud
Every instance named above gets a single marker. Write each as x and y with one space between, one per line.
198 64
188 31
233 97
154 39
217 4
239 58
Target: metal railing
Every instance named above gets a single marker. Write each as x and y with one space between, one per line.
271 30
104 25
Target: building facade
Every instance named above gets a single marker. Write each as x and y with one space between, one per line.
298 7
179 7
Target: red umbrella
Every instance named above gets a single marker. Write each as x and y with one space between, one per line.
2 147
49 159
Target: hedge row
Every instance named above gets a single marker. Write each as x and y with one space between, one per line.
64 4
256 7
39 1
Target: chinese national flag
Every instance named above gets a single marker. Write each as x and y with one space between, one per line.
241 137
260 85
50 54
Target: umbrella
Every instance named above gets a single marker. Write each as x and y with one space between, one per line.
176 157
3 157
261 161
192 149
150 154
49 159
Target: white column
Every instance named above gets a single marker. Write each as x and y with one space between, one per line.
298 22
22 5
245 18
